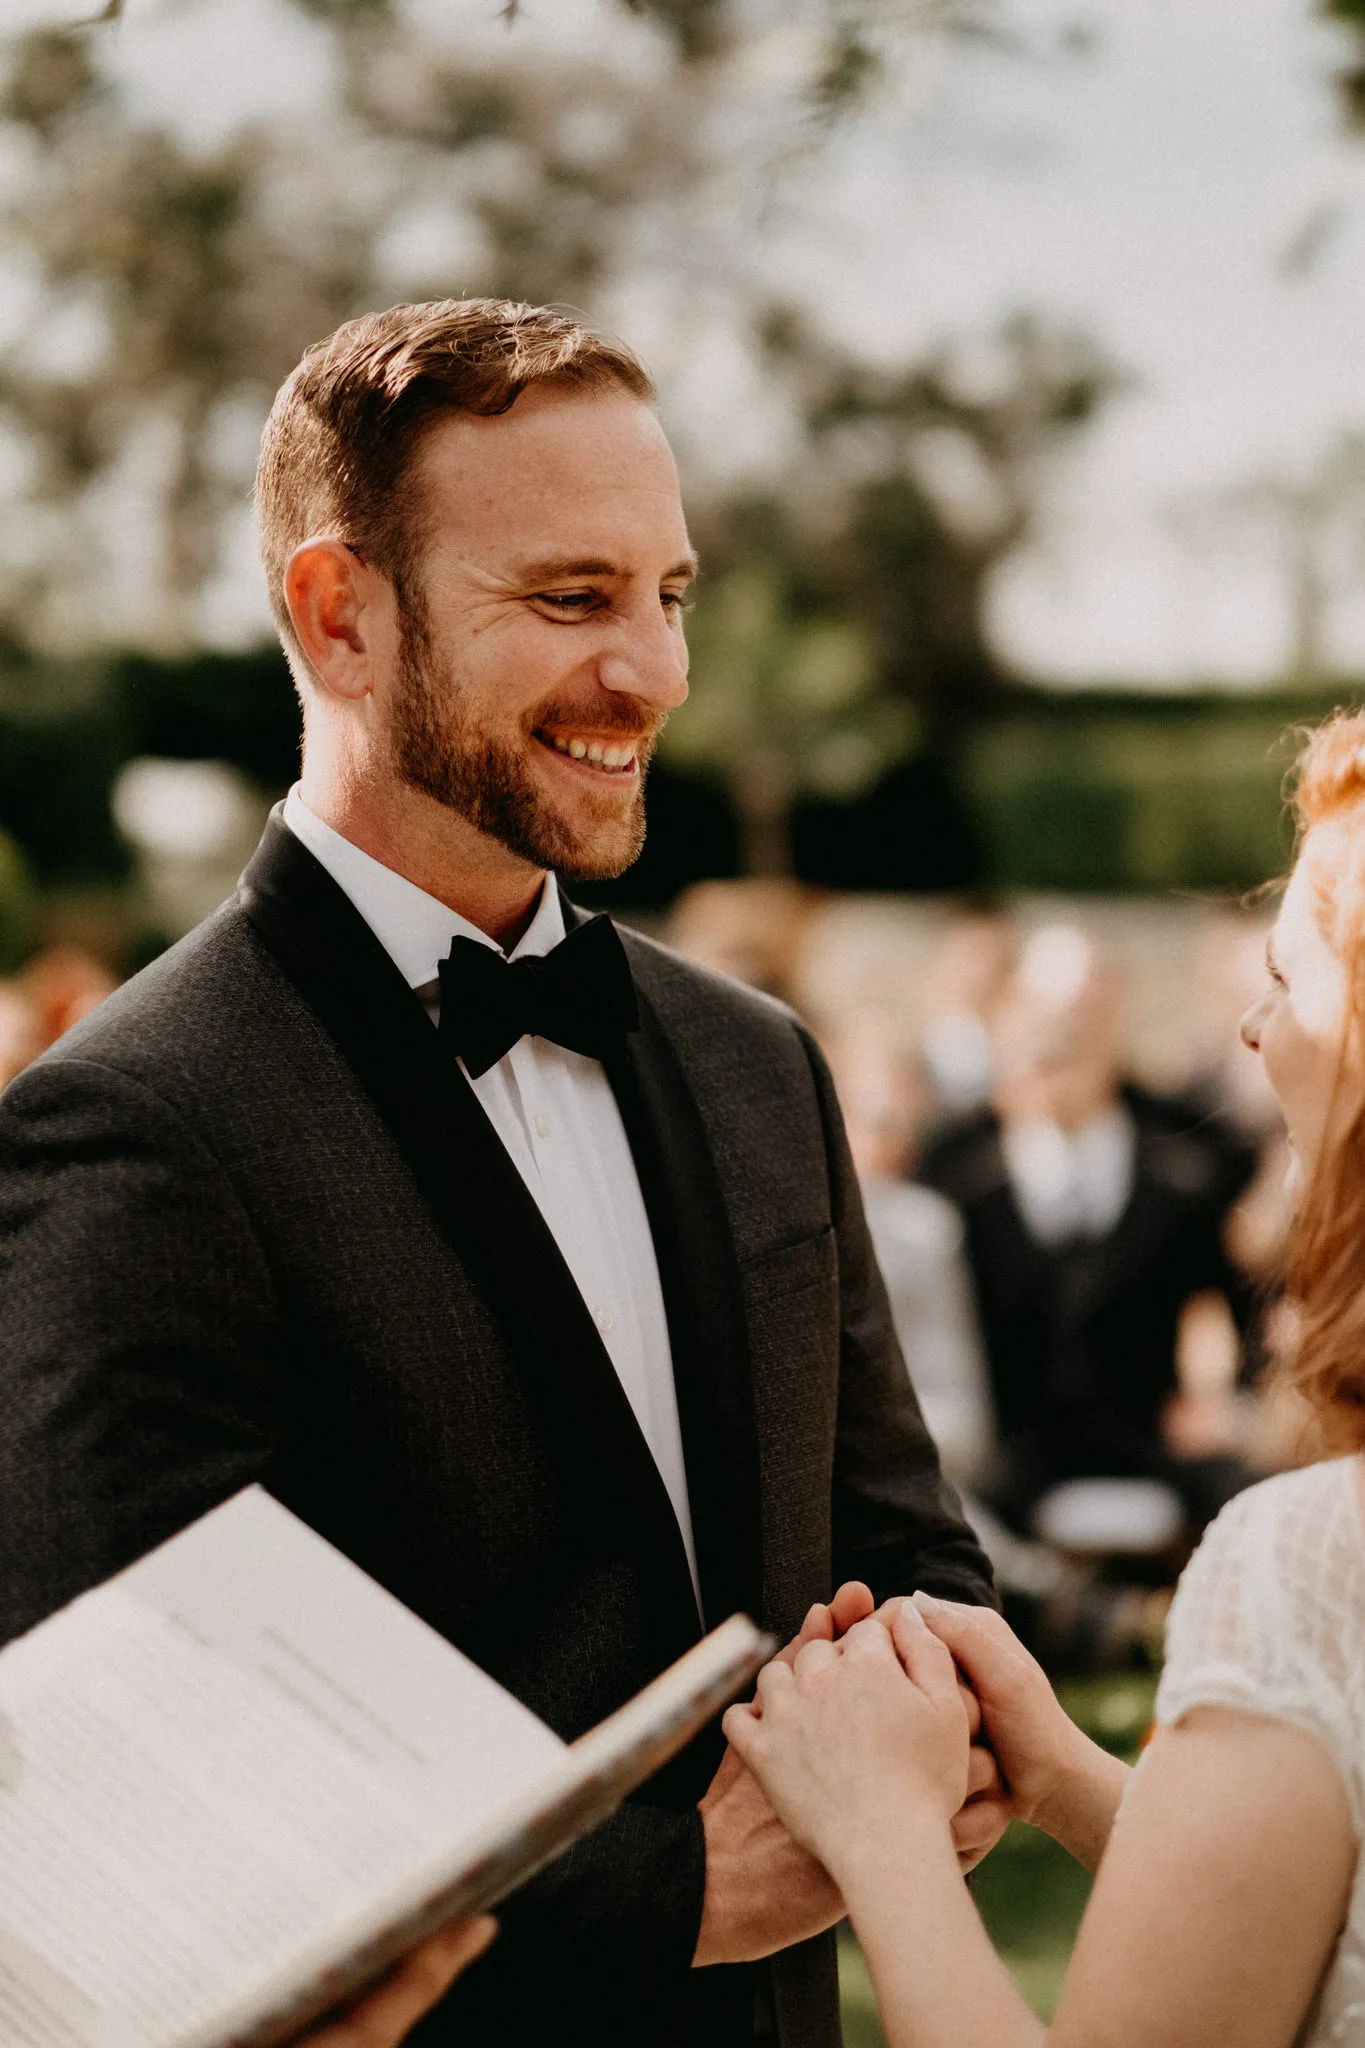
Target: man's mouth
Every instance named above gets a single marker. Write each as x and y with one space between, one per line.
607 755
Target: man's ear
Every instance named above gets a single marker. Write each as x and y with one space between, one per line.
333 604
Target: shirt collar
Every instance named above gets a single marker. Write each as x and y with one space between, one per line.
414 929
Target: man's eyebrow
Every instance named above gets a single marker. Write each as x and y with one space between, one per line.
557 568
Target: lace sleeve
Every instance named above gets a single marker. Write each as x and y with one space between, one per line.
1267 1616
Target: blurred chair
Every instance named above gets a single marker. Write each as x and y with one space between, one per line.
1104 1518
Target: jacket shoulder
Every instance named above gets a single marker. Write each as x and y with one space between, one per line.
678 986
192 997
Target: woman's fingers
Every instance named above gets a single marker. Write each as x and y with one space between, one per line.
927 1660
775 1678
815 1657
980 1641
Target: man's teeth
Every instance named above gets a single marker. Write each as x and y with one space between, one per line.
594 752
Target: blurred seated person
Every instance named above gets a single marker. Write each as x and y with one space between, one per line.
1092 1221
752 930
54 992
65 983
1226 1100
917 1236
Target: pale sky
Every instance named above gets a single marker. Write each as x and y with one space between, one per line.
1147 191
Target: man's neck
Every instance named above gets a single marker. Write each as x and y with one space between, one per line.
443 855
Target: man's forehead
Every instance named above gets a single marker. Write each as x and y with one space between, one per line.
601 439
572 479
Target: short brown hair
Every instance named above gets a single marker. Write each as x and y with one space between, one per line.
338 448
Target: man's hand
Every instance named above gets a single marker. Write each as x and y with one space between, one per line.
388 2013
827 1621
762 1891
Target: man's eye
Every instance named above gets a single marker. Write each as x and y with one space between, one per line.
675 600
567 601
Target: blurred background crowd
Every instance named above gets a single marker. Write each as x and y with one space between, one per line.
1012 354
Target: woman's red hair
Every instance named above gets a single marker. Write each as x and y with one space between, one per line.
1326 1266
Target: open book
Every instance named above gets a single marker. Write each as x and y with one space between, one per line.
240 1779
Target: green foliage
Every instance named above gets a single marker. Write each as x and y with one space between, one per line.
1100 792
1350 16
914 484
782 701
842 621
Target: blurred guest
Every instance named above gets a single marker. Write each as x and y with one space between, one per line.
965 983
1091 1222
1225 1102
1231 1105
54 992
917 1236
65 984
21 1035
1228 1080
752 931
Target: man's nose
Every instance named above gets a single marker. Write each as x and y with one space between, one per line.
647 659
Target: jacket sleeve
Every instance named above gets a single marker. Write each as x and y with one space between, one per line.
138 1333
897 1523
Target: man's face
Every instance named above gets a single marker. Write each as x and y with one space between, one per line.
545 648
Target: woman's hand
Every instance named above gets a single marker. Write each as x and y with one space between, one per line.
1058 1779
849 1736
387 2014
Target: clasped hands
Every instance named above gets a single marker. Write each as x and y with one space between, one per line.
764 1887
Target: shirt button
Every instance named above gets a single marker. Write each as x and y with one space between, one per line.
543 1125
604 1320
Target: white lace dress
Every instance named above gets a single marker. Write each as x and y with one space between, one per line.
1270 1616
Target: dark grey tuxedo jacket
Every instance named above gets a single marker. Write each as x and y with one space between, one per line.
254 1225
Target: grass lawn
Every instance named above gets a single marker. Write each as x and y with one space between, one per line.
1030 1893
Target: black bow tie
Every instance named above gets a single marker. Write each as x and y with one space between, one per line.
580 995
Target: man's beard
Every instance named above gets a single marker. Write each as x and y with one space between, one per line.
489 782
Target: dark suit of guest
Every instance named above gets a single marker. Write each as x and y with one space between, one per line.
1080 1335
254 1225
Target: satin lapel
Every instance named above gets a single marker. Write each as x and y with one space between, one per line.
480 1201
707 1331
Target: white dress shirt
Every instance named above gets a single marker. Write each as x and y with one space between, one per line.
1071 1183
555 1113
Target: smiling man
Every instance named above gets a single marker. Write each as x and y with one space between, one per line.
521 1258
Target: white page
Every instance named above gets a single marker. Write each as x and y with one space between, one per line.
141 1895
